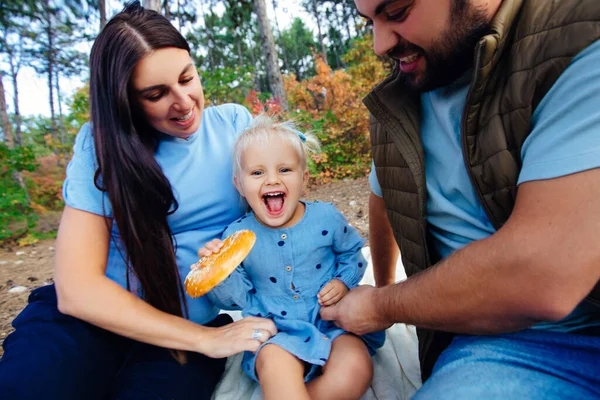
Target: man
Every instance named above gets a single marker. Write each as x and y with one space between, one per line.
486 147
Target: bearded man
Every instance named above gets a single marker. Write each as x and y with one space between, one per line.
486 149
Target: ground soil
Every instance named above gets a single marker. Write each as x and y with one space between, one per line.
26 268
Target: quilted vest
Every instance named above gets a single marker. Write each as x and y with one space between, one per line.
529 45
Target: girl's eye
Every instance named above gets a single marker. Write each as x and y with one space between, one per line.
285 170
186 80
256 173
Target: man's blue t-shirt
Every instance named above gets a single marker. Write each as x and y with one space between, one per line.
200 172
565 139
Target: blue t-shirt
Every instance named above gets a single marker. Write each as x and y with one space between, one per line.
200 172
565 138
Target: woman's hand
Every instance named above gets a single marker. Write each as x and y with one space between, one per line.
331 293
247 334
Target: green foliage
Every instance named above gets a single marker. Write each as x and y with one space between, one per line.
227 85
297 44
330 104
16 215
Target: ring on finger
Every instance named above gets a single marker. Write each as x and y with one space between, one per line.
256 334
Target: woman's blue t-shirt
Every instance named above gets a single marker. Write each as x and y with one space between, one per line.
200 172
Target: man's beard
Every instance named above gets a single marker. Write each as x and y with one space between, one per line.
451 55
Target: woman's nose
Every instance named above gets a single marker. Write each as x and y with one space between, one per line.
182 100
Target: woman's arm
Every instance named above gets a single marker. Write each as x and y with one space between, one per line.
84 292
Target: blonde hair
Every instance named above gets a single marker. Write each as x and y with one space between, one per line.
263 128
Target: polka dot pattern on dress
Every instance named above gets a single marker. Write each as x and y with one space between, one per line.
324 233
273 279
281 243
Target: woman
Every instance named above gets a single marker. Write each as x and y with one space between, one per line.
149 184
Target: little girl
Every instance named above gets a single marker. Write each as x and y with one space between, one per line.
306 256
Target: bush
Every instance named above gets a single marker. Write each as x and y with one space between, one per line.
16 214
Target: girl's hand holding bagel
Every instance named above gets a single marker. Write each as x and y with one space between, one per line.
218 260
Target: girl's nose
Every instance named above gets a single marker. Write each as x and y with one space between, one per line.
272 179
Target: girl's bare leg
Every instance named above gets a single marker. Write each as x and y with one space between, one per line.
348 372
281 375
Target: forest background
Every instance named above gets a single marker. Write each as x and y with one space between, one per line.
316 77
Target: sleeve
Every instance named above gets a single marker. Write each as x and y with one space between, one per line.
233 292
374 182
565 135
347 246
79 190
237 115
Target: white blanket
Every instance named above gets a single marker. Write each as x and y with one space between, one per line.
396 365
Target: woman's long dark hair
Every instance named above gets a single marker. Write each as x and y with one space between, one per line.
140 195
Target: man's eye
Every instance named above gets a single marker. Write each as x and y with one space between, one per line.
396 13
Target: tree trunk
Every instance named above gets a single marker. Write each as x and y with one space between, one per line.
61 122
273 71
14 73
318 18
167 9
285 59
8 135
50 72
179 16
255 63
6 126
347 16
102 9
152 5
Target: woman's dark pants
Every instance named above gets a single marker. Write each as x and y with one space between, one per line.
54 356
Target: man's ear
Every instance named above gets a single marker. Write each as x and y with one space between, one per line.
238 185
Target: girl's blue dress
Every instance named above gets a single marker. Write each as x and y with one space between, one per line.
282 275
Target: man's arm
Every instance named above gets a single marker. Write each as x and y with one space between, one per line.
537 267
384 250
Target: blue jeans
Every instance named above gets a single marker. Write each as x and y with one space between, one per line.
530 364
54 356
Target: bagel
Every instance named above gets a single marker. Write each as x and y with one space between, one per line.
212 270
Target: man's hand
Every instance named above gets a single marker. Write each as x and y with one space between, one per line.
332 293
357 312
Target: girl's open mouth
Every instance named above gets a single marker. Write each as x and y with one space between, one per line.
274 202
